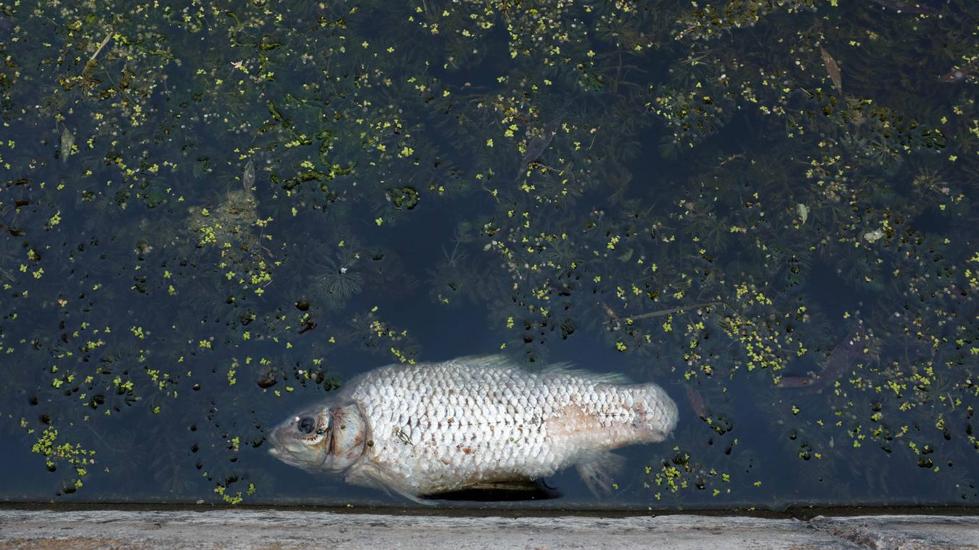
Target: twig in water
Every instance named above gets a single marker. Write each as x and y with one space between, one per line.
670 311
90 64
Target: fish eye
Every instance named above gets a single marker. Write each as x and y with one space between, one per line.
306 424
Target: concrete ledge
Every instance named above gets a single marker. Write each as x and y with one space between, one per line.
45 529
903 532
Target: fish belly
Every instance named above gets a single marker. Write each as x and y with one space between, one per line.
472 421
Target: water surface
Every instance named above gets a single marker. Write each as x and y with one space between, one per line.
213 215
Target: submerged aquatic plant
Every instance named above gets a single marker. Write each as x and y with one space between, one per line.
339 278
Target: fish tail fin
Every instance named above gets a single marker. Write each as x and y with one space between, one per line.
597 470
657 412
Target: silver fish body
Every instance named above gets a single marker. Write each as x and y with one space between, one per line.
473 422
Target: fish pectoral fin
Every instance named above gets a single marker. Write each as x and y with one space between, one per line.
597 470
368 475
416 499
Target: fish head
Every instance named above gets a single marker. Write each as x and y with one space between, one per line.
322 438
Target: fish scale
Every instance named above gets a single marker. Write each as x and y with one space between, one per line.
475 421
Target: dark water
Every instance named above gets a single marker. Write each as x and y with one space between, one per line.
214 215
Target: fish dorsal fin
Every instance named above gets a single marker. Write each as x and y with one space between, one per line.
567 369
496 361
501 361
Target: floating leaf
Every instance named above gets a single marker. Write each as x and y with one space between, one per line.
803 212
873 236
67 144
248 177
832 69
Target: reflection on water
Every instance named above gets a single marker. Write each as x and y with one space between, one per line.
212 216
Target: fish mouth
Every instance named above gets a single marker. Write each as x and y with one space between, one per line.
336 415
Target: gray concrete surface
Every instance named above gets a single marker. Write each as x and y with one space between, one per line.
44 529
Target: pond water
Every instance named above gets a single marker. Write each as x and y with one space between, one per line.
214 214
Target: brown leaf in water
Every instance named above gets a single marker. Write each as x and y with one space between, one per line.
832 68
697 403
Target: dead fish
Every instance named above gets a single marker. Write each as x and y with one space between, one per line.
471 422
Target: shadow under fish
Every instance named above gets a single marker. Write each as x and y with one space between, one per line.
500 492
